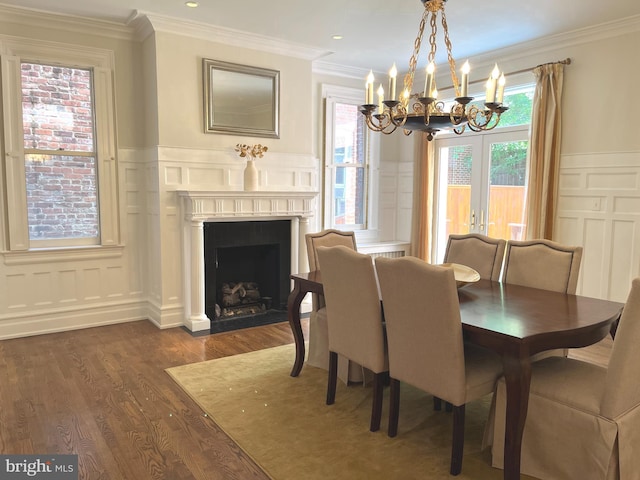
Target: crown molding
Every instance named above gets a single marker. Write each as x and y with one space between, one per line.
321 67
550 43
224 35
48 20
514 52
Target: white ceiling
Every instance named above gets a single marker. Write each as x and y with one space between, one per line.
376 32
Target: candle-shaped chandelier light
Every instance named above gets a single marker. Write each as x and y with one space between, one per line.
422 111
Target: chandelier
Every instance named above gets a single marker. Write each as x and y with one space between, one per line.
422 111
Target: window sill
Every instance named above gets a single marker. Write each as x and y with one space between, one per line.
66 254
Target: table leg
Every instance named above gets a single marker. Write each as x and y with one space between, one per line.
517 372
293 309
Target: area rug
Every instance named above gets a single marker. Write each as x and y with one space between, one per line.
284 424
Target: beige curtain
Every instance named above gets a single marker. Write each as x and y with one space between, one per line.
424 204
544 151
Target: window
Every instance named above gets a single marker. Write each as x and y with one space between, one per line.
59 154
60 174
348 161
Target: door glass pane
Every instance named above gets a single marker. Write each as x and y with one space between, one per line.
458 192
507 174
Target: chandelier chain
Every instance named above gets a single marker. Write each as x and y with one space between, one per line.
452 62
413 61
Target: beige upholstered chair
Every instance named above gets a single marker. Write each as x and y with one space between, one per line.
318 355
542 264
545 265
425 345
354 315
583 419
483 254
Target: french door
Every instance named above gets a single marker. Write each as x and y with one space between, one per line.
481 185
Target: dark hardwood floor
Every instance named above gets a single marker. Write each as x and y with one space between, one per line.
102 393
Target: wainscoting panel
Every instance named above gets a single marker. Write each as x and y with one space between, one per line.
599 208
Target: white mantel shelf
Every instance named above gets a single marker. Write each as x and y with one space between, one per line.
227 205
200 207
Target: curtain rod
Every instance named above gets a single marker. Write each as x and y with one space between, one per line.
566 61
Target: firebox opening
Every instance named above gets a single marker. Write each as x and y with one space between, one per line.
247 266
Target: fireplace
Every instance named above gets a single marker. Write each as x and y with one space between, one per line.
200 209
246 271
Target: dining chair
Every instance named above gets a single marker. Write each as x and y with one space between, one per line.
318 349
425 344
354 318
483 254
542 264
545 265
583 419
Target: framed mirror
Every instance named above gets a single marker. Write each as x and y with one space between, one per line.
240 100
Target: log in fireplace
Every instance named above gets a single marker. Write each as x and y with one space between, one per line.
247 267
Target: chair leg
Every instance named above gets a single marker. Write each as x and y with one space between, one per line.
333 378
457 446
394 406
376 408
437 404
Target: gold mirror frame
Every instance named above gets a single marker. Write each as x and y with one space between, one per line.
240 100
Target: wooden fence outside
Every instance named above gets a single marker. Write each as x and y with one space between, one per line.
506 211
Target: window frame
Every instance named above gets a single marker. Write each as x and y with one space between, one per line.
13 52
331 96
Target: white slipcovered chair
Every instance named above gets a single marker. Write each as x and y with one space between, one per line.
354 315
318 351
425 345
583 420
483 254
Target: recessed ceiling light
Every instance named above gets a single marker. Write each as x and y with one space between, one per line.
337 37
191 4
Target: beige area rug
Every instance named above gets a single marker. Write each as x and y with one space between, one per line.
285 426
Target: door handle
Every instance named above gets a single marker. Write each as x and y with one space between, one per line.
481 226
473 219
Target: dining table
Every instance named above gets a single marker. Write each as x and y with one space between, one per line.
514 321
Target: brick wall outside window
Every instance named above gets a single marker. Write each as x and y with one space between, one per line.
57 107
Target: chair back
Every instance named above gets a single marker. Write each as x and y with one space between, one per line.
354 312
424 331
622 388
325 238
542 264
483 254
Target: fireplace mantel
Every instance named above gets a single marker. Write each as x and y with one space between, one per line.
211 206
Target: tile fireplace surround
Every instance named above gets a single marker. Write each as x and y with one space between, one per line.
200 207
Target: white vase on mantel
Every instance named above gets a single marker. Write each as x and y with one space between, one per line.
250 176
